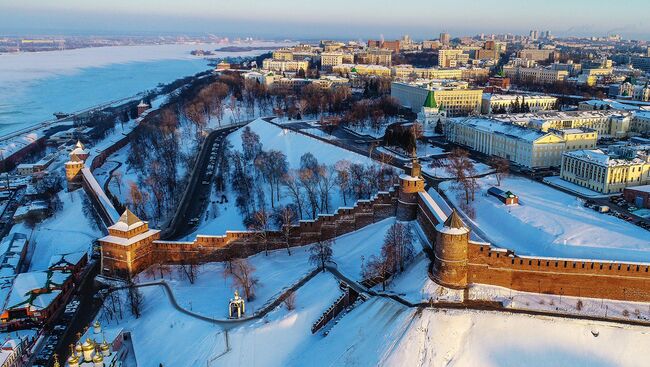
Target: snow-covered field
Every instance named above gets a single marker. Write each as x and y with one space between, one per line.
576 189
436 168
37 84
548 222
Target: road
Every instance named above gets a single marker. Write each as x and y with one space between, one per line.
197 194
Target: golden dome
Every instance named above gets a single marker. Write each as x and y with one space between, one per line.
73 359
98 358
104 346
88 345
78 348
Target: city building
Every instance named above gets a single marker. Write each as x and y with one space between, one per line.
375 56
638 196
284 65
537 54
598 171
362 69
627 90
330 59
524 146
453 97
536 75
499 82
393 46
451 58
445 38
506 103
612 123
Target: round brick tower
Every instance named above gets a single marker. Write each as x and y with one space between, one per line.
410 186
450 250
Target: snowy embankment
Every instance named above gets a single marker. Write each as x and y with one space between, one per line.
548 222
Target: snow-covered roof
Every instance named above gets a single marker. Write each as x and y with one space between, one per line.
453 225
24 285
129 241
599 157
127 222
64 259
499 127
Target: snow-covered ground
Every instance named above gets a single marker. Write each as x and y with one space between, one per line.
276 271
68 230
293 145
436 168
375 332
472 338
548 222
576 189
37 84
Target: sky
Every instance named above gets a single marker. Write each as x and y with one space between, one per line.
342 19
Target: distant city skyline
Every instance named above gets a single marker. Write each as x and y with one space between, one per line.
317 19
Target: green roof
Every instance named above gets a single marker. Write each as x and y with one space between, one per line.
430 101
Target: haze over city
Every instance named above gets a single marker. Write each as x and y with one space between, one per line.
324 183
337 18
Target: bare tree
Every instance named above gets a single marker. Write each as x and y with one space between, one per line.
343 178
284 219
261 227
501 168
290 181
321 252
243 276
461 167
135 298
326 183
190 270
398 246
117 176
376 269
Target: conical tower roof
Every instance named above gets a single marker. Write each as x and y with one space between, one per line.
430 102
79 144
129 218
454 221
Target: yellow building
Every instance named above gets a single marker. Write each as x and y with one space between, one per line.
606 123
409 72
283 54
450 58
492 103
362 69
597 171
535 75
454 97
284 65
375 56
523 146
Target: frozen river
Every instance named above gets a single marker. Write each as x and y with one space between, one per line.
35 85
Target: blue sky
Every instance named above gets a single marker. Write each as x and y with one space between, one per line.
331 18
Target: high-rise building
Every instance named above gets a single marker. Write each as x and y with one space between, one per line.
533 35
445 38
